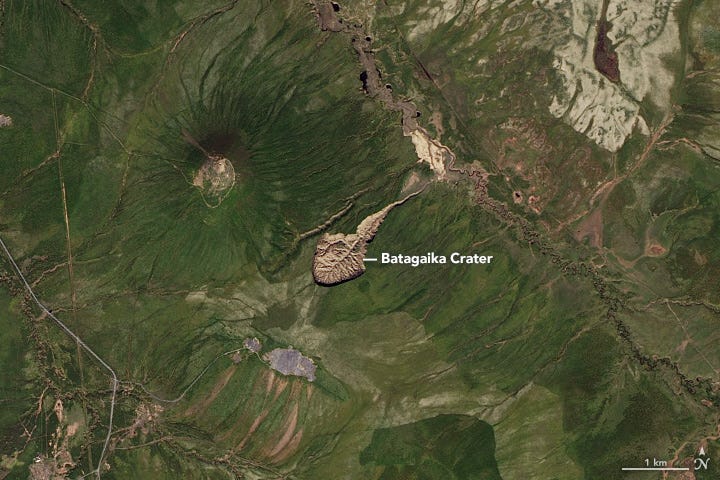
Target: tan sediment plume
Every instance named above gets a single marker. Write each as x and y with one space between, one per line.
279 388
432 152
289 449
270 382
290 426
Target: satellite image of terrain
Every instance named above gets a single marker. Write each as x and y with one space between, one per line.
363 239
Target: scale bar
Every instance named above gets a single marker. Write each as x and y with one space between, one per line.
370 259
655 469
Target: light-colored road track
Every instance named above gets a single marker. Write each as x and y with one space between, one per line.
103 363
82 344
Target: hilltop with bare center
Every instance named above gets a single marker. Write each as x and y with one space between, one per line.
215 178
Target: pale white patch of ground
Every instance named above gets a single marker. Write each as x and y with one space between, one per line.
644 33
253 297
440 12
433 16
5 121
548 4
431 152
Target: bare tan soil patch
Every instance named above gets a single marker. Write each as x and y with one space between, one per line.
290 448
683 346
436 120
217 388
432 152
592 228
699 258
281 385
215 178
654 250
256 423
57 463
339 257
290 425
145 416
327 18
413 183
270 381
242 420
